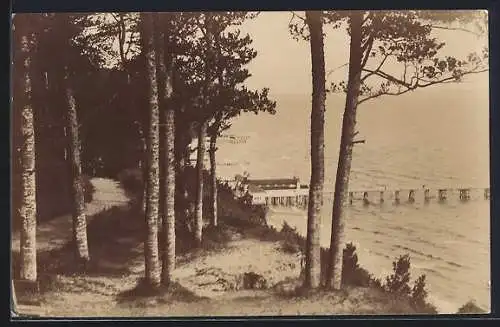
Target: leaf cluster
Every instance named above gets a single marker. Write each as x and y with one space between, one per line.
403 40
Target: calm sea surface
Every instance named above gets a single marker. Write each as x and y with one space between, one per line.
438 138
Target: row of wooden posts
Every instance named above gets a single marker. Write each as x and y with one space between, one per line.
302 200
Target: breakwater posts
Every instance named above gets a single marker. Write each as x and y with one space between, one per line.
410 196
287 201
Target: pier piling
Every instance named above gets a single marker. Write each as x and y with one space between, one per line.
366 201
464 194
302 200
411 196
443 195
427 195
396 197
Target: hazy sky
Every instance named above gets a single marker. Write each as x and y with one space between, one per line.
284 64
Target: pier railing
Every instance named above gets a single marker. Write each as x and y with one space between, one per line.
391 196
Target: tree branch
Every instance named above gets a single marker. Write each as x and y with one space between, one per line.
384 75
377 69
410 87
295 15
369 15
456 29
384 93
333 70
129 45
121 37
367 48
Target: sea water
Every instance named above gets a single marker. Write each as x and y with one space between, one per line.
437 139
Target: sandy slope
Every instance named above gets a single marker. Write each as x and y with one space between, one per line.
211 279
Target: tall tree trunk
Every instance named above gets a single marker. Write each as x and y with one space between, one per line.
202 132
169 216
143 167
198 227
313 248
334 272
27 210
213 176
165 65
79 217
180 181
161 73
153 167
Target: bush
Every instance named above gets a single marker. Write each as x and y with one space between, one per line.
397 282
419 293
418 298
292 241
131 181
470 307
352 273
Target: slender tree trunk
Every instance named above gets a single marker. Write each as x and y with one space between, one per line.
213 176
143 166
161 73
180 181
169 217
202 132
13 298
152 187
79 216
334 272
198 227
165 64
28 173
313 248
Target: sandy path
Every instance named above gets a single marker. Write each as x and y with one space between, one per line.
214 275
57 232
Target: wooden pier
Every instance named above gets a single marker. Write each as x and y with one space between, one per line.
411 196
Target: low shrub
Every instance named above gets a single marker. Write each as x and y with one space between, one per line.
352 273
470 307
252 281
292 241
397 284
290 247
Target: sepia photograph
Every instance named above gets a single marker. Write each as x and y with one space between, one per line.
250 163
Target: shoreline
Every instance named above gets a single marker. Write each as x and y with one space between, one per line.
275 218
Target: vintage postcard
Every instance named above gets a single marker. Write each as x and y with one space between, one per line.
250 163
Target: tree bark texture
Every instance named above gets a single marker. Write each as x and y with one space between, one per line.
202 132
153 273
334 272
213 176
181 150
313 248
79 216
165 65
27 210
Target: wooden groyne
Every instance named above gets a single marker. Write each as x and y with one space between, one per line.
395 197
